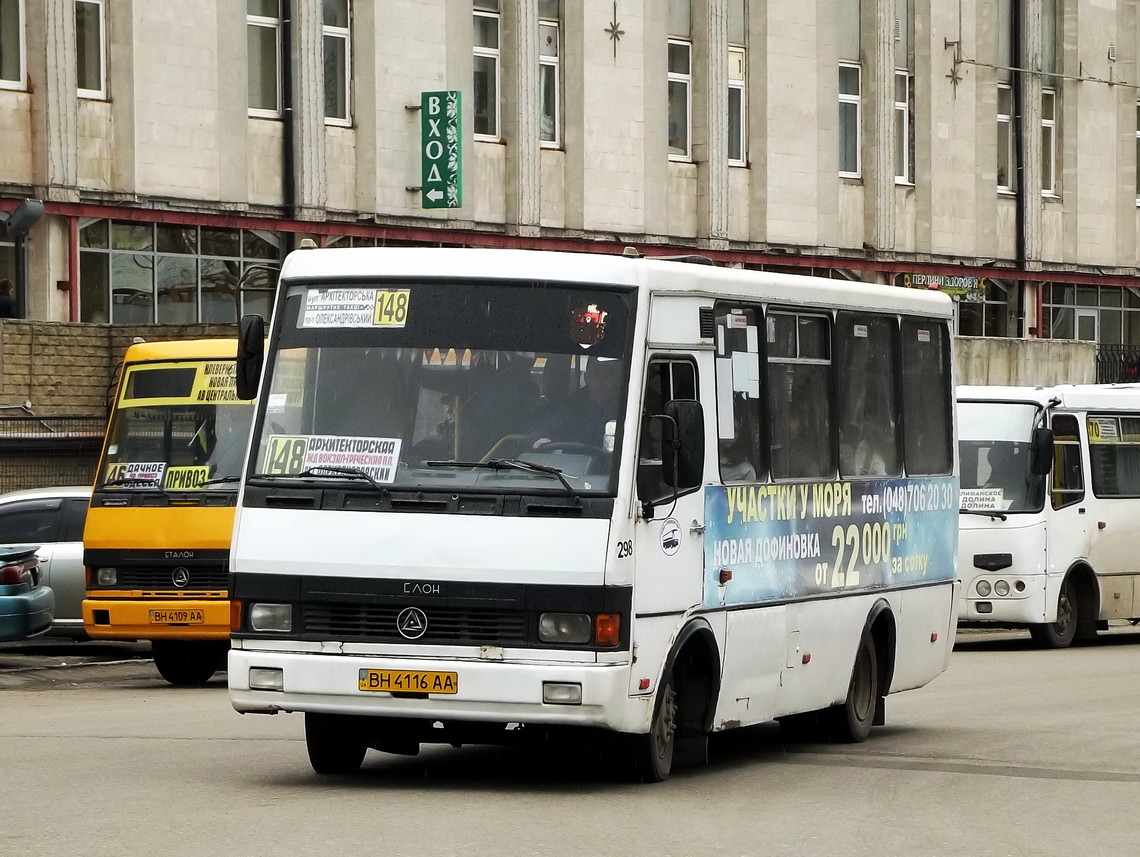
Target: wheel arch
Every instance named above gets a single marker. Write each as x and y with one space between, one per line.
880 626
1088 597
695 665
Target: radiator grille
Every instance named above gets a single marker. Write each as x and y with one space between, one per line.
479 626
161 578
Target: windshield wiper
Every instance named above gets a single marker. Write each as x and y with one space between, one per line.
220 479
989 513
511 464
131 480
323 472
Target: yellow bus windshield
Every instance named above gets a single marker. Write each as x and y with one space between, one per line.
178 426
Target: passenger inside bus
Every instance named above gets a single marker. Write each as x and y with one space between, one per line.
581 418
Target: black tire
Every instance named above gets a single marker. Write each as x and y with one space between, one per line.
336 744
188 664
650 756
851 720
1060 634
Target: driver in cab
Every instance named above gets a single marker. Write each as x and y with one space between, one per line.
581 418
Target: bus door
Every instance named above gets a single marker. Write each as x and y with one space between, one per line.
1067 535
669 543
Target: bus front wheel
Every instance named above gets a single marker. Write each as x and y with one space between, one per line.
1059 634
649 757
336 744
188 664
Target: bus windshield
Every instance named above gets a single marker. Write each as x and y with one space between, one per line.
993 445
445 386
178 426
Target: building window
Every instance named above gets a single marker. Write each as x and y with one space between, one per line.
737 108
986 313
902 126
849 137
548 77
263 35
90 49
1109 315
680 98
1048 142
1005 159
142 273
337 34
486 69
737 83
13 48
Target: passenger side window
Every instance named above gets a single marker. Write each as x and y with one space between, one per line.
666 379
926 397
1114 455
799 395
30 523
738 394
868 414
1068 485
75 520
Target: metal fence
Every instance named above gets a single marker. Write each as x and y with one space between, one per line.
44 452
1117 364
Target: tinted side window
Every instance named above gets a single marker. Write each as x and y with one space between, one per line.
738 393
74 520
1068 484
799 395
32 522
868 412
927 417
665 381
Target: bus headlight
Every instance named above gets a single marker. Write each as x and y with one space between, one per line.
271 617
574 628
1002 587
107 576
983 588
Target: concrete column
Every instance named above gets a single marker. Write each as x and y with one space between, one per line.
710 116
1030 167
655 49
520 99
757 138
51 75
878 123
308 110
366 19
574 109
460 68
233 104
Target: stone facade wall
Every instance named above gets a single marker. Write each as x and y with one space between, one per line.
62 368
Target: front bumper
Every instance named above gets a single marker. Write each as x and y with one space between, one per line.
489 691
25 612
131 619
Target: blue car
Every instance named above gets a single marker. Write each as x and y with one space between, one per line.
27 606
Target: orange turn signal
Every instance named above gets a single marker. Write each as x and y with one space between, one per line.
235 616
607 629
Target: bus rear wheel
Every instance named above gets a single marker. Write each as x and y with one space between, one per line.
336 744
188 664
1059 634
852 719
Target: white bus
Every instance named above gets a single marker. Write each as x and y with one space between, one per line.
493 495
1050 503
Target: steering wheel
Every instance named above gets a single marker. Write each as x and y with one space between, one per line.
595 453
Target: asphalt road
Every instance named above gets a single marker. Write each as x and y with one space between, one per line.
1013 751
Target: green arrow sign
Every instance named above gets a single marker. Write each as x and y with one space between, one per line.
441 150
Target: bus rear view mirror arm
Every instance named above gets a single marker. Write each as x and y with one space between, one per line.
250 355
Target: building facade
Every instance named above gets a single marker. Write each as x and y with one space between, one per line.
181 147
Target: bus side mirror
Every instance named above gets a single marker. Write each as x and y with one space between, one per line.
685 434
250 355
1041 451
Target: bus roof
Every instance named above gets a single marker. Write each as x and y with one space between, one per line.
647 273
182 349
1077 397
